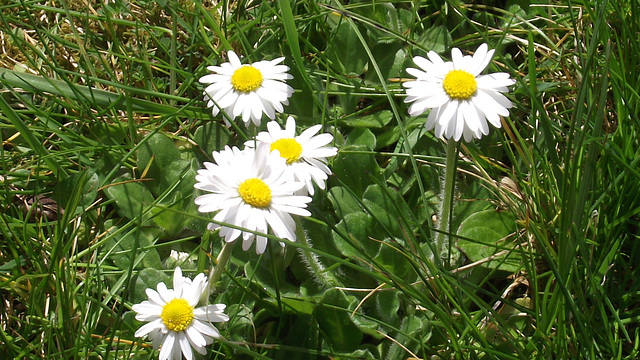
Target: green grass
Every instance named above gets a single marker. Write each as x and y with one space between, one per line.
102 112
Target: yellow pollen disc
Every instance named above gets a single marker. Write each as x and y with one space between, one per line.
289 149
246 79
177 314
255 192
459 84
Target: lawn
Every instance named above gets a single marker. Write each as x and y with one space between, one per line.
139 165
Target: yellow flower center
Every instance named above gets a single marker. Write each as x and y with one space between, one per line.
289 149
246 79
255 192
177 314
459 84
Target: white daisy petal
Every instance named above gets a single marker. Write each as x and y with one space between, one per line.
166 351
234 60
261 245
461 100
313 151
195 336
185 346
206 329
247 90
260 195
176 325
148 327
423 63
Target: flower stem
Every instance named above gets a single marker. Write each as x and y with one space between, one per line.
315 267
221 262
444 229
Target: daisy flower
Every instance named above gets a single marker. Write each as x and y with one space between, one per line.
306 154
175 325
252 189
248 90
461 100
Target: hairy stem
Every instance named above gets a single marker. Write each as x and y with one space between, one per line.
443 244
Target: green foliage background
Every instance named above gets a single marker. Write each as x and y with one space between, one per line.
101 112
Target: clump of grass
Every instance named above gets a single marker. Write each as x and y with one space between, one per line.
103 127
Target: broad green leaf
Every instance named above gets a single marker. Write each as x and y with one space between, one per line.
148 278
387 304
356 168
299 304
476 196
343 201
109 134
262 272
391 258
131 196
388 209
436 38
413 332
303 333
163 162
487 230
356 228
211 136
173 223
390 57
242 322
87 180
362 137
375 120
334 318
346 49
125 248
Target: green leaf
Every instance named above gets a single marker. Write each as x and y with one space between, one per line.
390 57
343 201
211 136
130 196
489 232
137 246
303 334
346 49
262 273
388 209
299 304
362 137
148 279
334 320
387 305
356 169
243 322
436 38
356 228
375 120
165 166
393 260
87 180
412 328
